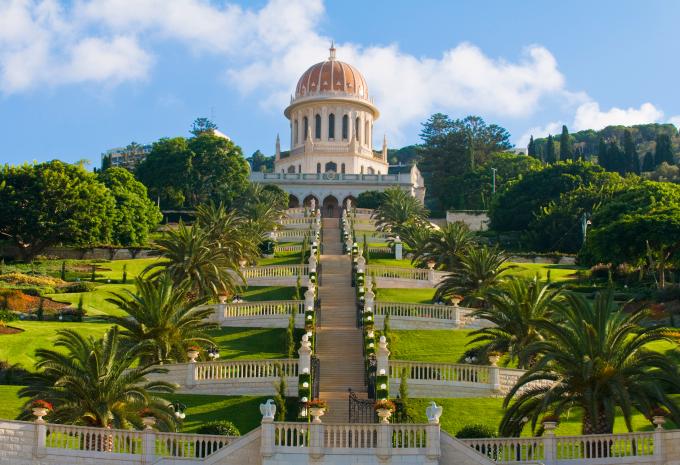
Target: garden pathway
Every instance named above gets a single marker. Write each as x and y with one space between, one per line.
339 343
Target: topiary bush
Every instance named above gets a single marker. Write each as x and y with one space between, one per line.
476 431
221 428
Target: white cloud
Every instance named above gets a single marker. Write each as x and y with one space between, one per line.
589 116
554 127
675 120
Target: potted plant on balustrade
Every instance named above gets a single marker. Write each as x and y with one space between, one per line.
193 352
384 408
550 422
317 408
41 408
658 417
148 418
494 357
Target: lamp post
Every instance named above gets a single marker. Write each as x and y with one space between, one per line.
493 176
585 222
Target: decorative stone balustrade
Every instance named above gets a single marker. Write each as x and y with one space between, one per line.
292 235
288 248
441 372
297 220
281 275
296 212
405 315
379 249
402 277
244 369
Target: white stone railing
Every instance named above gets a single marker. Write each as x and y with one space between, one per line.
379 249
293 233
275 271
244 369
364 211
441 372
571 450
288 248
404 315
396 272
263 308
83 441
304 220
296 212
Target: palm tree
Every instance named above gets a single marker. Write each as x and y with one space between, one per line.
480 268
191 257
97 382
596 359
445 246
397 209
162 316
230 231
513 308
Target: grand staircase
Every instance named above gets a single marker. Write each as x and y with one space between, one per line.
339 341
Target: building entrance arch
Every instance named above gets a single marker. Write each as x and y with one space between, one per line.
331 207
293 202
308 201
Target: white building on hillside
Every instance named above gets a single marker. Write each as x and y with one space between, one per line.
331 157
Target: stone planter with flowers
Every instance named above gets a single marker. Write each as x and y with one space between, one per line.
384 408
317 408
40 409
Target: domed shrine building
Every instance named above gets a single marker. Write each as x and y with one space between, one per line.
331 158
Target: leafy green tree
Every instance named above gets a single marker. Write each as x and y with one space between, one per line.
480 268
648 162
531 148
398 209
166 172
202 126
513 308
454 147
516 206
98 382
566 145
190 257
445 246
550 152
135 215
261 162
597 359
664 150
164 318
45 204
602 155
369 199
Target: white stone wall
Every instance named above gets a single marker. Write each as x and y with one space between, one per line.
427 389
475 220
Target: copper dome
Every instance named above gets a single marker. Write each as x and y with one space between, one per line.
332 76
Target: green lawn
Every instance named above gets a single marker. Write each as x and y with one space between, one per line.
416 296
403 263
20 347
445 345
94 302
10 402
280 260
250 343
256 293
557 272
243 411
488 411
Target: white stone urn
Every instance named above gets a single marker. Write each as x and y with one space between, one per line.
549 427
455 301
39 413
192 354
222 298
384 414
494 359
317 413
149 422
658 420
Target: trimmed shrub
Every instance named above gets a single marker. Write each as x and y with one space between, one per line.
221 428
475 431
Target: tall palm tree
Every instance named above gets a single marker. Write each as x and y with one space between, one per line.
480 268
397 209
96 382
597 358
191 257
229 230
162 316
514 308
444 246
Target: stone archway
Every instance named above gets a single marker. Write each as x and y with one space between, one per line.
331 207
352 199
307 202
293 202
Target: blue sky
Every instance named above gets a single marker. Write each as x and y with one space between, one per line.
79 77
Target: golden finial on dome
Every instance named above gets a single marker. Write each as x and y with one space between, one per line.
332 50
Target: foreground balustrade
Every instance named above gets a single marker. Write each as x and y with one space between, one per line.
263 309
244 369
275 271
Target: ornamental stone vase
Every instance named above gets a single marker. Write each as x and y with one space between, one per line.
148 422
192 355
317 413
384 414
40 412
658 420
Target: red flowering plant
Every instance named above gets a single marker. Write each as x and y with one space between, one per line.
146 412
659 412
196 348
317 403
385 404
42 404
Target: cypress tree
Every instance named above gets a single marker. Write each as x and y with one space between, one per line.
531 148
648 162
617 160
664 150
566 145
550 155
602 154
630 153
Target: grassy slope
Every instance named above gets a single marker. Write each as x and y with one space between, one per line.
429 345
243 411
417 296
10 402
557 272
250 343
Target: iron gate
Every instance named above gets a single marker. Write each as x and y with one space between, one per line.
316 372
361 410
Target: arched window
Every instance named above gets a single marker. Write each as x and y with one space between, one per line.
305 127
342 168
318 167
345 127
317 127
295 132
370 170
291 169
366 129
331 167
331 126
357 122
